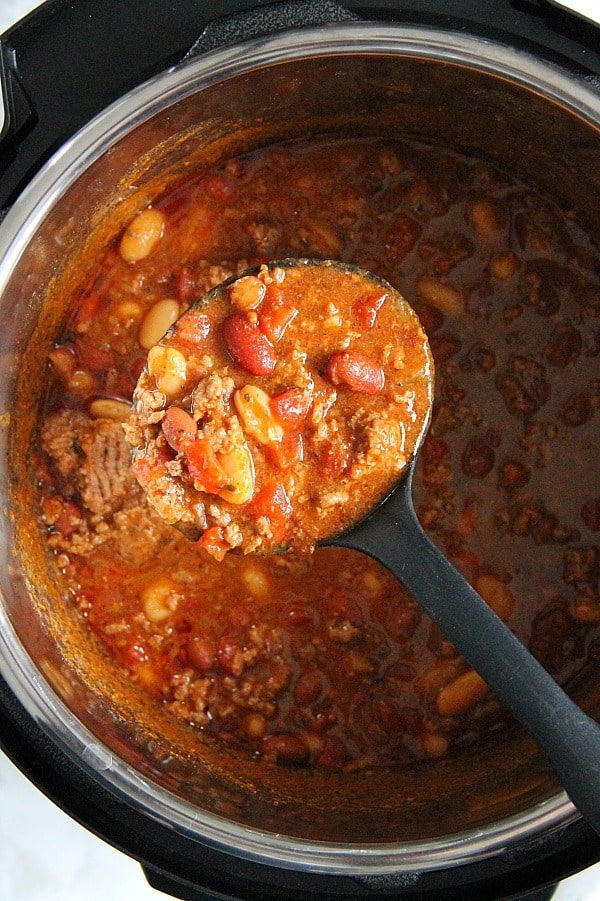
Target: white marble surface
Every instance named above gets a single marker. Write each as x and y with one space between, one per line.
64 862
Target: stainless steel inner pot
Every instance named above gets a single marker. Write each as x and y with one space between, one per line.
347 79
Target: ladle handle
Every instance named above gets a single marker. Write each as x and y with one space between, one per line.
569 738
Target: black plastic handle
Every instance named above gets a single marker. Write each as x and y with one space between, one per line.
569 738
265 20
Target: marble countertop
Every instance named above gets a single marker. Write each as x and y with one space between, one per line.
67 863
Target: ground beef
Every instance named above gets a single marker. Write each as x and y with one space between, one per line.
96 494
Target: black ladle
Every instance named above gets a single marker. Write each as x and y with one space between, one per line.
569 738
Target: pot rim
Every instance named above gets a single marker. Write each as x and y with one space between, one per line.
21 223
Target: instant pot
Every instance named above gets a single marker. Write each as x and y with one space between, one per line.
89 90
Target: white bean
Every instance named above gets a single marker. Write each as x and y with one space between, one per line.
142 235
157 320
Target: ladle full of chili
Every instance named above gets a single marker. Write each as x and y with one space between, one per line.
278 411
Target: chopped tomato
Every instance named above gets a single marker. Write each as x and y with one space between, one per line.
275 315
214 543
367 307
69 519
192 329
87 312
272 501
287 452
334 458
291 407
148 469
203 466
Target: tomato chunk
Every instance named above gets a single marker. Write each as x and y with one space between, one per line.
193 329
203 466
367 307
148 469
357 371
287 452
272 501
214 543
248 346
275 315
291 407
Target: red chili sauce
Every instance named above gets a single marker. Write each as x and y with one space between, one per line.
322 659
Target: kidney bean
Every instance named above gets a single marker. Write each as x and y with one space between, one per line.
524 387
542 291
333 755
565 345
443 347
230 657
192 329
179 428
322 721
431 318
400 237
68 519
92 357
590 513
578 410
248 346
285 747
357 371
580 564
202 653
186 285
340 605
514 474
308 687
477 458
404 622
434 449
478 357
63 362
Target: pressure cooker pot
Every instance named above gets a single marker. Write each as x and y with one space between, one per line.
185 802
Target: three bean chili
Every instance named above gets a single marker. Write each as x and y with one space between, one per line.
323 659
